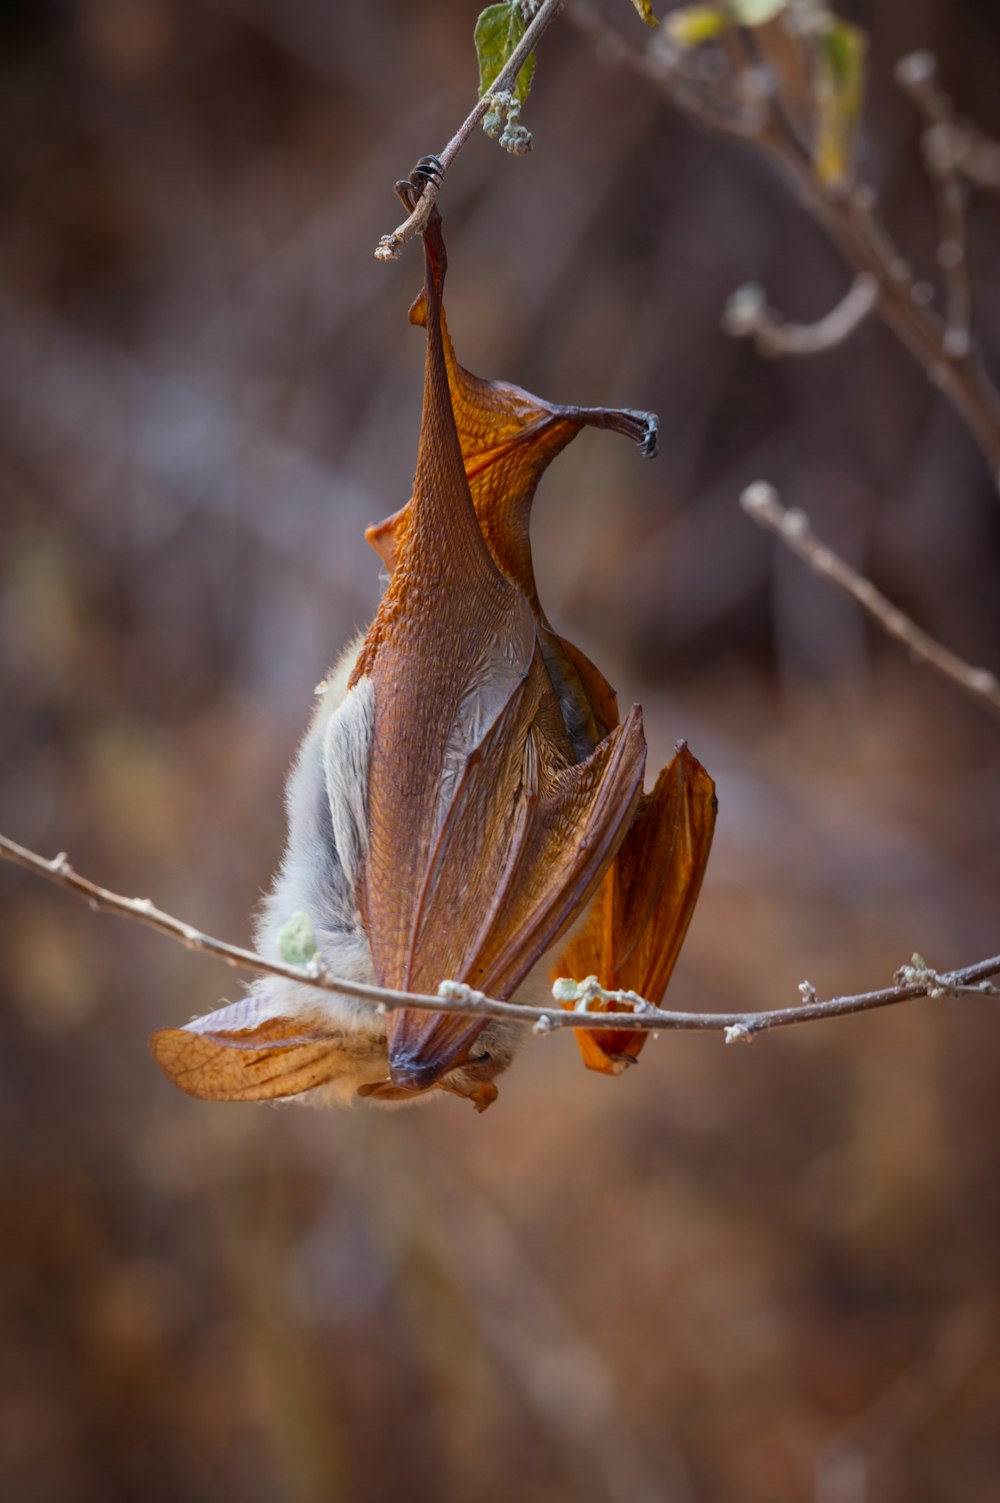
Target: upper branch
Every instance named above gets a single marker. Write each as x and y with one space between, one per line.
736 105
390 245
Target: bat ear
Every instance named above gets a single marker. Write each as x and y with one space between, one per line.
243 1053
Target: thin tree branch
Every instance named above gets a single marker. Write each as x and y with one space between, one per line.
972 154
390 245
747 316
943 149
915 980
761 502
849 217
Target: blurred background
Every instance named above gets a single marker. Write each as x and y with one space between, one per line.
736 1275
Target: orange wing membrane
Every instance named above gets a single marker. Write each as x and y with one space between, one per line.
467 795
486 834
637 925
244 1053
508 438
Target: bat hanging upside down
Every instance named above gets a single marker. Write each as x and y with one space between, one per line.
466 793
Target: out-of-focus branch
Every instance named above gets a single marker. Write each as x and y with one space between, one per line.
744 101
944 147
747 316
761 502
961 148
390 245
588 1000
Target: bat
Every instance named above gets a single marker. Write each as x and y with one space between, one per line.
464 791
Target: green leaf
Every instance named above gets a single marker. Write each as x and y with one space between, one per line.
645 10
297 941
498 31
755 12
694 24
840 67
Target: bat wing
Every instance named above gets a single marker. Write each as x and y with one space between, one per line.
637 925
241 1053
478 819
507 439
521 852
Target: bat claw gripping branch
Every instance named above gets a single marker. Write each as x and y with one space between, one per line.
428 171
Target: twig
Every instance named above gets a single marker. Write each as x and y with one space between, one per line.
761 502
849 217
917 980
747 316
972 154
943 149
390 245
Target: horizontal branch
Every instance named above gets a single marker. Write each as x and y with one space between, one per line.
915 980
761 502
390 245
747 316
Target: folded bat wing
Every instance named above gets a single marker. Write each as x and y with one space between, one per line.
485 832
637 925
508 438
243 1053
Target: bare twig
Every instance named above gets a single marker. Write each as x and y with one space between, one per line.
390 245
943 143
971 153
849 216
747 316
916 980
761 502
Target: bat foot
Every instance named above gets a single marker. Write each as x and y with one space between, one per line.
430 169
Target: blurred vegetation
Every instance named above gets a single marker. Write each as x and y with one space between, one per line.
734 1276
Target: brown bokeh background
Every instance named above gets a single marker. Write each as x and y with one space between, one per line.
737 1275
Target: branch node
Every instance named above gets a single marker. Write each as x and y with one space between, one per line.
738 1033
461 992
957 343
760 501
916 69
